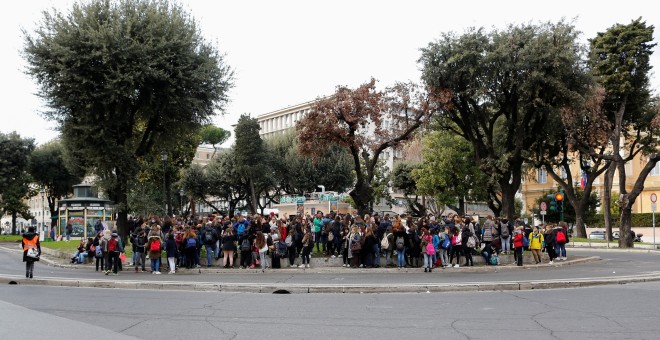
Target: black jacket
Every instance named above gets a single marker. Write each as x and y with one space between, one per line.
30 236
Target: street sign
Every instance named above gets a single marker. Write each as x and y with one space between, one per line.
544 207
654 197
543 212
653 207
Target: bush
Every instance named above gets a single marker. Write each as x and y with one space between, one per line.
638 221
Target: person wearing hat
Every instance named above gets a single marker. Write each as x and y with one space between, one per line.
30 241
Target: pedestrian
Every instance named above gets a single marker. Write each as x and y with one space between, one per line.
468 240
550 243
155 248
400 241
518 243
456 247
170 249
536 244
561 237
428 250
505 236
210 238
140 258
275 238
307 245
31 251
261 243
229 239
387 244
68 230
190 246
98 244
354 246
445 247
114 249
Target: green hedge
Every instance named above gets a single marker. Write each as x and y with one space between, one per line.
638 221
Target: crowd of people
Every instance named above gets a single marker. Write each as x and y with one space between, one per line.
255 241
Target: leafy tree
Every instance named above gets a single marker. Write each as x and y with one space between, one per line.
49 170
251 159
620 61
15 179
121 77
225 181
449 172
498 89
211 134
593 202
354 119
404 180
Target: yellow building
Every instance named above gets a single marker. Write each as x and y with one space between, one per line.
538 183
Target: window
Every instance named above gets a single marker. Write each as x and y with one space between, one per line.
542 176
208 156
656 170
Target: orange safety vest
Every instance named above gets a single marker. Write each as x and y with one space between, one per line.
27 244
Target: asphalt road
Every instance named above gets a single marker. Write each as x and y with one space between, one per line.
613 263
606 312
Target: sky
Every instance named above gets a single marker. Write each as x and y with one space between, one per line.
285 53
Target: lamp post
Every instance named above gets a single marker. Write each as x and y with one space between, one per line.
181 202
43 209
163 157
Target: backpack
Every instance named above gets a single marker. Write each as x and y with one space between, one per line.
561 238
331 236
112 245
98 251
494 260
280 249
504 231
385 243
245 245
400 242
155 245
288 240
525 241
241 229
191 242
446 242
208 236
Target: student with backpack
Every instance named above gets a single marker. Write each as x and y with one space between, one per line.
229 239
550 243
154 246
98 251
535 244
139 241
518 236
190 247
561 238
210 238
170 248
400 240
505 236
428 250
445 247
387 245
114 248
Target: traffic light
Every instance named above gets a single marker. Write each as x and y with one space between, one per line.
553 202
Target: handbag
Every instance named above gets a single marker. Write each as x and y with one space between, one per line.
356 247
33 253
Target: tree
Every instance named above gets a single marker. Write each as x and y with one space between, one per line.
354 119
211 134
49 171
570 215
225 180
620 61
404 180
251 163
14 176
449 173
497 90
120 77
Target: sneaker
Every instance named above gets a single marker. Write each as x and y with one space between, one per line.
197 266
456 266
157 273
171 272
251 266
333 256
308 266
430 270
550 262
301 266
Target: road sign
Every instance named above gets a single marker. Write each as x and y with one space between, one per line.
544 206
543 212
653 207
654 197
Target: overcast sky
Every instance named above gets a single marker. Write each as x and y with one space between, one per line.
288 52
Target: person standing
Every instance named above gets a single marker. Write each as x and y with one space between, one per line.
518 236
535 244
307 245
155 248
30 241
550 243
170 249
68 230
229 239
114 249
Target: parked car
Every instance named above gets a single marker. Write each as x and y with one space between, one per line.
597 235
615 235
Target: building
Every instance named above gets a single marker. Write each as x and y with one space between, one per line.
538 183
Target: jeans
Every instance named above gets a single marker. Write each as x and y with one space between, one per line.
305 254
134 257
317 240
560 249
506 243
211 253
114 260
388 257
155 264
68 237
264 259
140 260
444 258
83 257
427 260
401 257
291 252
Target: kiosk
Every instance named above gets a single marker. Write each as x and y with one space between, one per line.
84 210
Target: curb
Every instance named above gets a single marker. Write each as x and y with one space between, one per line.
344 289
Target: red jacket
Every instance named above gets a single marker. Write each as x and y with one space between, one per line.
518 240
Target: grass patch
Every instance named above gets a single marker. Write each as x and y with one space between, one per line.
10 238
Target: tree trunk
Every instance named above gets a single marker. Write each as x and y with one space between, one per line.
232 208
581 231
461 206
13 223
122 208
362 197
607 198
625 237
508 198
253 201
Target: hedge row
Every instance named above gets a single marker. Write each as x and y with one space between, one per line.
638 221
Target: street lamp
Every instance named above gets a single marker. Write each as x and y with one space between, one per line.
43 208
163 157
181 201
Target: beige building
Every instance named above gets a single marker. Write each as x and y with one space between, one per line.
539 183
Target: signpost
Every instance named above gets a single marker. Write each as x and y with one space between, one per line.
654 198
544 207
